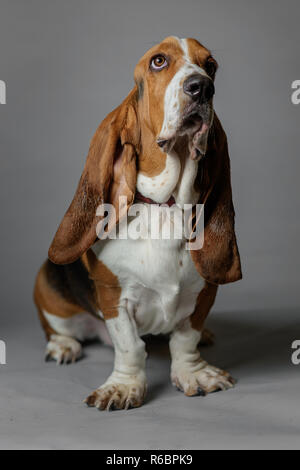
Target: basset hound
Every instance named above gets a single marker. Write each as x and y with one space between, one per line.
163 146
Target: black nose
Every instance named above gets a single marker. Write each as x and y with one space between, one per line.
199 87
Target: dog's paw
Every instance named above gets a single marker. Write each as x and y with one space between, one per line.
207 338
206 379
63 350
117 396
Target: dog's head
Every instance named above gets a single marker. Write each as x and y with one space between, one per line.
173 97
175 81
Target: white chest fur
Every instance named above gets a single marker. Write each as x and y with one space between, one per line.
161 187
177 179
159 281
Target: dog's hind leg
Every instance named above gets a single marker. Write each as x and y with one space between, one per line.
65 320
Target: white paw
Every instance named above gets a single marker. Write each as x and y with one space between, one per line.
200 380
117 396
63 349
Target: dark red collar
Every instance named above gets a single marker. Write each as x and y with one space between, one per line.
140 198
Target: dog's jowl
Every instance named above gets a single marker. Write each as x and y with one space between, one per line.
164 146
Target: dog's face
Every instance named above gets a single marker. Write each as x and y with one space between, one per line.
175 81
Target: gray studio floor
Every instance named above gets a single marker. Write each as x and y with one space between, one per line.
40 404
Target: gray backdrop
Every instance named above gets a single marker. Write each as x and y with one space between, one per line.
67 63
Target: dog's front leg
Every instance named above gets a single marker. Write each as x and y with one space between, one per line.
126 386
189 372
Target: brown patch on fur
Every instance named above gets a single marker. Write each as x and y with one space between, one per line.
108 289
205 301
152 160
197 52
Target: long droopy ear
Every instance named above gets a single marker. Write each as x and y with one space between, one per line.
109 172
218 261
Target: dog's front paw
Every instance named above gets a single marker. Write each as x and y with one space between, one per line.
63 349
117 396
200 380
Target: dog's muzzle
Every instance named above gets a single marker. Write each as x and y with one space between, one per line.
197 116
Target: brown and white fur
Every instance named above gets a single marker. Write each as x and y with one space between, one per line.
164 141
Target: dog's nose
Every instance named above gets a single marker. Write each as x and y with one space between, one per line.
199 87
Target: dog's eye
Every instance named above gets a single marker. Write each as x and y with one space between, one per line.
211 67
158 62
